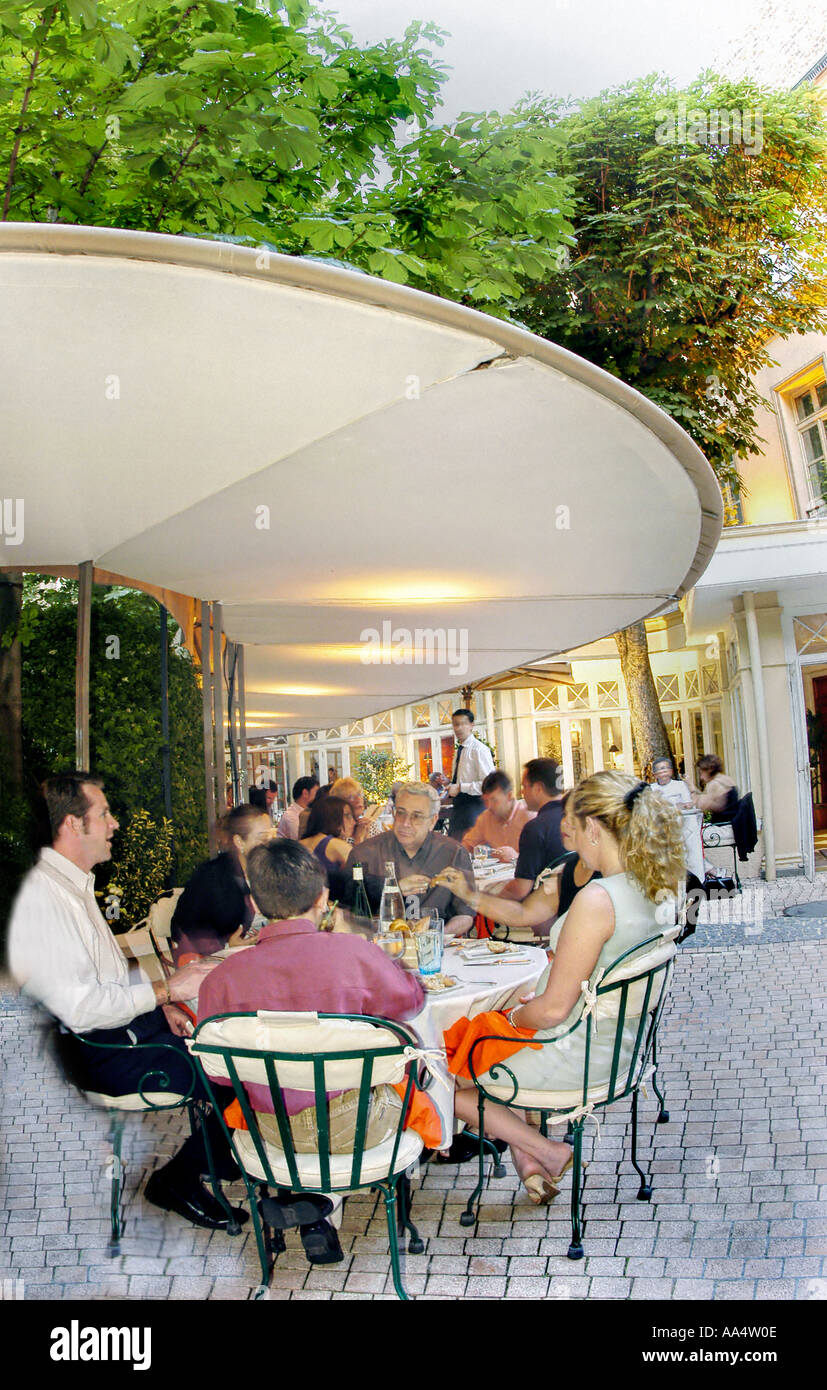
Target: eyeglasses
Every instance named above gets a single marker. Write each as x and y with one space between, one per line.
416 818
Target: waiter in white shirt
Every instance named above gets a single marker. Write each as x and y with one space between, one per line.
63 955
472 764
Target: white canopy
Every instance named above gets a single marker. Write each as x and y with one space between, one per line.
330 456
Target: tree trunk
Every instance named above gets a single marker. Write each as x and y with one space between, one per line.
648 728
11 705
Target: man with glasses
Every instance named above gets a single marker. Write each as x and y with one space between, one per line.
418 855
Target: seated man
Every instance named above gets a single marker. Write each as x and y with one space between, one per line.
418 854
215 907
63 955
541 842
502 821
296 967
304 794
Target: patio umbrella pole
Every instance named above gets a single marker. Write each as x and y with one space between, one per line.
209 746
241 705
218 711
82 665
166 770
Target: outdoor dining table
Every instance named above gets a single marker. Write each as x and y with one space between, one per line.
495 984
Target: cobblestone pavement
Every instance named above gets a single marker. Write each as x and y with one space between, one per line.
739 1173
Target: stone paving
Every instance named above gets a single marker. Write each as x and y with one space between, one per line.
739 1173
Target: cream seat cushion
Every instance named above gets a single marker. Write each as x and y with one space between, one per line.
375 1162
166 1099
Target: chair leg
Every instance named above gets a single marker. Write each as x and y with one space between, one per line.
198 1126
645 1190
416 1245
263 1243
396 1265
470 1217
499 1169
115 1137
735 867
575 1250
663 1113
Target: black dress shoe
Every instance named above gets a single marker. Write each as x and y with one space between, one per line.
195 1204
321 1243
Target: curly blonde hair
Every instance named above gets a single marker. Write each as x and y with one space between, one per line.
648 833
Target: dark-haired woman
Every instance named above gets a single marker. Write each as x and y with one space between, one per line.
718 794
215 908
627 832
331 823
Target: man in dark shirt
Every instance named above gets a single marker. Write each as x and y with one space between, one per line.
541 842
216 902
417 855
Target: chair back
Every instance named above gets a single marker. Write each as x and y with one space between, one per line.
626 999
322 1055
629 998
139 946
159 918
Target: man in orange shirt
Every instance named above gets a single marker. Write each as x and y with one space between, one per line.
502 820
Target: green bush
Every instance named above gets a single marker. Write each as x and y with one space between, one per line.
124 710
377 771
140 873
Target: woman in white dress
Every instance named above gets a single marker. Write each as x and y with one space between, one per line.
631 835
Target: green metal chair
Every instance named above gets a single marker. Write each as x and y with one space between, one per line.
145 1100
322 1054
632 992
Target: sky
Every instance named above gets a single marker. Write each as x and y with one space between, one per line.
501 49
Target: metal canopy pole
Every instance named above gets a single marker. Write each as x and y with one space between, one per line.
82 666
241 701
218 712
209 746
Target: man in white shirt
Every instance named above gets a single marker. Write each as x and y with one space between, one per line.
304 793
63 955
472 764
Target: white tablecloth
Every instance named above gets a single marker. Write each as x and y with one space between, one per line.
487 986
692 821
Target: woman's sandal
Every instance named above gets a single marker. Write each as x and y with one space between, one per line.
542 1190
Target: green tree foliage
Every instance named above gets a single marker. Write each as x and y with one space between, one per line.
124 708
377 771
700 235
266 124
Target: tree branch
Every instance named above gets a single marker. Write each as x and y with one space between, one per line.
19 128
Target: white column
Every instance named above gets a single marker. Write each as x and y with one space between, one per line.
757 672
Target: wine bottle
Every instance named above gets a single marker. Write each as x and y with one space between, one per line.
361 904
392 903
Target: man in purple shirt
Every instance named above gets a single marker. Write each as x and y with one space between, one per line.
295 967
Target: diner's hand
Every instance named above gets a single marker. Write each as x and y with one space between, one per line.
454 879
237 938
453 790
178 1022
504 853
187 981
414 883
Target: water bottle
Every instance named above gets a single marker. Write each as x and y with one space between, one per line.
392 904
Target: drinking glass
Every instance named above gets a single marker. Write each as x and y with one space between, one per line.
392 943
429 951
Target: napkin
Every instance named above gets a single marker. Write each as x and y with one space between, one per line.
506 1040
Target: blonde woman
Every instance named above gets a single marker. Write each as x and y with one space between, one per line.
625 831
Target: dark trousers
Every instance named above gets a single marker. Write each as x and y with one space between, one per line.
120 1072
465 811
